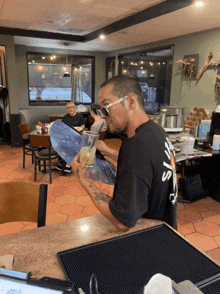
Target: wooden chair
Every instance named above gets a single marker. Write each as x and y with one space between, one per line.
25 130
91 119
44 157
102 136
20 201
53 118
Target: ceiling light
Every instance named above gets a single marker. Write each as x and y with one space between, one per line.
199 4
43 57
66 74
102 36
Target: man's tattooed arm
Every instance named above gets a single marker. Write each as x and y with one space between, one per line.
101 197
101 201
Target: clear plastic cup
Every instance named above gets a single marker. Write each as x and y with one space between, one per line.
89 143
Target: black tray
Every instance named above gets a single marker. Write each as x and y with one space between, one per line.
125 264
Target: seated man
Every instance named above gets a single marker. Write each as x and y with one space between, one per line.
98 121
145 184
73 119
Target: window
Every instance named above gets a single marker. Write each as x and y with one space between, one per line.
153 70
58 79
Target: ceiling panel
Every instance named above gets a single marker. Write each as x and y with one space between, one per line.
107 10
13 24
32 3
16 12
88 22
71 6
132 4
81 17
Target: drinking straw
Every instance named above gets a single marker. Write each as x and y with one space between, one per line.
99 131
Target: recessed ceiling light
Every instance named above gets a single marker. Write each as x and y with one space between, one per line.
102 36
199 4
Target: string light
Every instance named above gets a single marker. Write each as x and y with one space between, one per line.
40 68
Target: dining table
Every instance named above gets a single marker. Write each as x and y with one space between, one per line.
40 252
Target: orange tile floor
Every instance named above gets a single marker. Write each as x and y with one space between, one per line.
198 222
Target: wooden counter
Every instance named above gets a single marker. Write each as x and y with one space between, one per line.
36 250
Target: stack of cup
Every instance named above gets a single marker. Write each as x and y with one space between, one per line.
216 142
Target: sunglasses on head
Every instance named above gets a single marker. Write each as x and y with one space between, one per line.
103 111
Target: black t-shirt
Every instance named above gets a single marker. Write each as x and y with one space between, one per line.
145 184
74 121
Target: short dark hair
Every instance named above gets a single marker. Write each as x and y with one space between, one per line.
95 107
124 85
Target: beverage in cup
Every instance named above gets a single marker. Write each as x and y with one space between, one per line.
89 142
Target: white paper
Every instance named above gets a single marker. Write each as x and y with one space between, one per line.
17 287
159 284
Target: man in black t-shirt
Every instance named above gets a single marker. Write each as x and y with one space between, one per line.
73 119
145 184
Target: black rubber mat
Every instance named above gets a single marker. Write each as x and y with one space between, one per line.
212 288
124 265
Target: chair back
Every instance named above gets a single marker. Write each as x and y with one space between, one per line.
102 136
91 119
40 140
21 201
53 118
25 128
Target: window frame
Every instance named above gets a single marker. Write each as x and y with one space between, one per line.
141 80
62 102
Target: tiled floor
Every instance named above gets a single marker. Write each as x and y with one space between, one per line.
199 222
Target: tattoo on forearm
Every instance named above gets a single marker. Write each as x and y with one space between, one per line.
101 197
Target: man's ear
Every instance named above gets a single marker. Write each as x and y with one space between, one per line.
132 101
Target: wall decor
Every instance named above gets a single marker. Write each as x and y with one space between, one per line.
217 87
206 65
190 66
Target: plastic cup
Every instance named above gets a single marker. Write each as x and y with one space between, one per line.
89 143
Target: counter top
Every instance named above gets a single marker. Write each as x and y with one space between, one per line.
36 250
